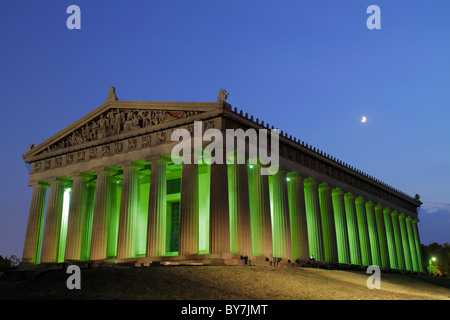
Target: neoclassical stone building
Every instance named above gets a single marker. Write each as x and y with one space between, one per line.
105 190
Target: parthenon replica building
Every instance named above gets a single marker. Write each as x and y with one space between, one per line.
106 190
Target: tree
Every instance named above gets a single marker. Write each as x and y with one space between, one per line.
441 265
10 263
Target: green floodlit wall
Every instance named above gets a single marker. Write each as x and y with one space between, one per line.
64 223
203 204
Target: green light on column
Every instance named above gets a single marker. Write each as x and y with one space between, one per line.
64 223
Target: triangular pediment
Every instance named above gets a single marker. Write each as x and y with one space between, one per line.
118 119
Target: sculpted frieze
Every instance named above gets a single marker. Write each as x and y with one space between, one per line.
115 122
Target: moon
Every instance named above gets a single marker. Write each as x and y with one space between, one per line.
363 119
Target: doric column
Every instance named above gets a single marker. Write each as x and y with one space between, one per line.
281 223
373 234
100 222
156 233
189 210
77 213
88 220
128 212
352 228
240 230
390 237
398 240
360 204
219 219
33 237
341 226
405 242
261 225
297 212
412 246
114 217
314 223
417 244
328 227
384 251
53 219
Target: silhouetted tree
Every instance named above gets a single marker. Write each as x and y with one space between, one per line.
441 265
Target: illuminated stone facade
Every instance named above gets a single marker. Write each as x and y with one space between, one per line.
115 195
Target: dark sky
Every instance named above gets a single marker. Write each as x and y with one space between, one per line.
310 68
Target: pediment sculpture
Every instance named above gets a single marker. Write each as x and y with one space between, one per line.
117 121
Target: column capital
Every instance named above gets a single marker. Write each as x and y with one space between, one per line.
370 203
293 175
387 210
394 213
105 170
337 191
408 218
310 182
85 175
360 199
324 186
378 207
40 184
349 196
402 216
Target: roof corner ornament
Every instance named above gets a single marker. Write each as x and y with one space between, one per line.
112 94
417 197
223 95
30 146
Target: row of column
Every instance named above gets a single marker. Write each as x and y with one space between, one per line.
285 216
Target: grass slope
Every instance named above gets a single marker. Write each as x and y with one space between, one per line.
225 283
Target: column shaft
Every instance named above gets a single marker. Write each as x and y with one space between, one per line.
398 240
126 241
102 206
361 216
53 219
156 234
384 251
373 234
412 246
314 223
240 229
281 228
189 210
405 242
77 213
33 237
390 237
341 226
219 221
297 212
88 221
417 245
261 226
328 227
352 228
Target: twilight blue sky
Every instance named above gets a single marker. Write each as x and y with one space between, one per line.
310 68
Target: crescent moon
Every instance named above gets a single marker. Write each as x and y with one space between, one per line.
363 119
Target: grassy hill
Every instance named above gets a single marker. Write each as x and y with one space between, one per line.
223 283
